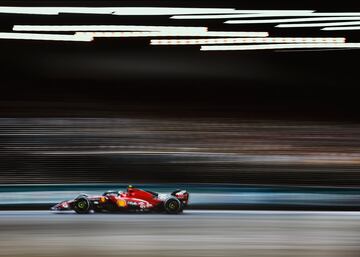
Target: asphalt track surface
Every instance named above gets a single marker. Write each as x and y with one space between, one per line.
194 233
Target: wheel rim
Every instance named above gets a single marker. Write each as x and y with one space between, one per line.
173 205
82 205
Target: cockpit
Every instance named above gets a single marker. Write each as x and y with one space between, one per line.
113 192
131 191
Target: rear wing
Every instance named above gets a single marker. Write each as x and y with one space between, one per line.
182 195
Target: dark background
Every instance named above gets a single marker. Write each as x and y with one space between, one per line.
109 76
126 79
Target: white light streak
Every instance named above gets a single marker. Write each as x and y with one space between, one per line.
246 13
176 34
264 15
342 28
105 28
277 46
275 11
245 41
29 10
113 10
51 37
292 20
169 11
322 24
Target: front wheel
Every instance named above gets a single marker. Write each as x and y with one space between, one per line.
82 205
173 206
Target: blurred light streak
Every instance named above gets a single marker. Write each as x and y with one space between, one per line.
176 34
50 37
271 12
321 24
291 20
342 28
202 41
262 14
278 46
106 28
127 11
168 10
247 14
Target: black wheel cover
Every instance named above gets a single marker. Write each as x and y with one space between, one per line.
82 205
172 206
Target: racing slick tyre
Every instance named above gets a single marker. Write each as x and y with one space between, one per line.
82 205
173 206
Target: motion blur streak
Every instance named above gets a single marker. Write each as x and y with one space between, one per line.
160 149
196 233
51 37
342 28
279 46
321 24
105 28
111 10
201 41
291 20
213 196
175 33
267 14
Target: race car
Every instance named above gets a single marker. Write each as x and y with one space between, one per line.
131 200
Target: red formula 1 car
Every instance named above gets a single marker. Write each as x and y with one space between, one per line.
133 199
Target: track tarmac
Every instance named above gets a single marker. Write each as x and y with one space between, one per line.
193 233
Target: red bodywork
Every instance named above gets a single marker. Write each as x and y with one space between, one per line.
134 196
131 199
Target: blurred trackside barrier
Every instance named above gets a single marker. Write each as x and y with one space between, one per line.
202 196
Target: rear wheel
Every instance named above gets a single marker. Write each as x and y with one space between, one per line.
82 205
173 206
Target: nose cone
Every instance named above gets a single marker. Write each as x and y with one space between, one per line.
60 206
55 207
